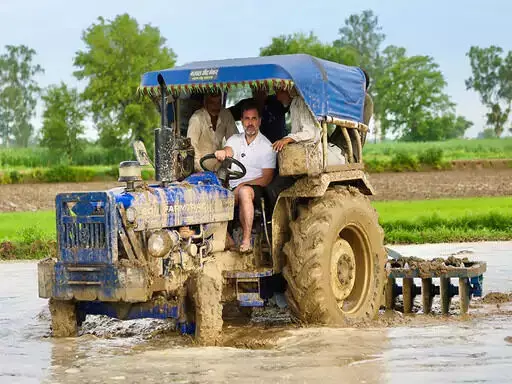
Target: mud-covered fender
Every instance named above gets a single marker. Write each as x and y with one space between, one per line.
316 186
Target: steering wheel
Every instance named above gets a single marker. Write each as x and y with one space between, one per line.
224 172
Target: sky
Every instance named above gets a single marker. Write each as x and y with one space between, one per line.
205 29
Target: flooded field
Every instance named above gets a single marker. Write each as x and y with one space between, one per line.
412 349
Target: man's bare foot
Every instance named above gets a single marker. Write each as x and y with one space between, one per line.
246 248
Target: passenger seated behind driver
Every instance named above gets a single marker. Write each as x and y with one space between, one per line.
273 114
304 128
208 127
255 152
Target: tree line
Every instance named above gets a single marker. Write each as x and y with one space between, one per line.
408 90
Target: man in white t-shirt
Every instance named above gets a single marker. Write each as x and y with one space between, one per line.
255 152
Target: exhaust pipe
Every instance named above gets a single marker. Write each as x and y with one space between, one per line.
164 142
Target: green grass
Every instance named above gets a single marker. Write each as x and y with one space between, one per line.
405 222
392 211
459 149
42 157
402 156
27 235
446 220
27 226
65 173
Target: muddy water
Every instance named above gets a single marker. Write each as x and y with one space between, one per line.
454 350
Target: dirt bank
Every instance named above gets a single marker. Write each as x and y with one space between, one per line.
389 186
447 184
33 197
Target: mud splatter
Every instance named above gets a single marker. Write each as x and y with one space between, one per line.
253 337
271 316
427 267
497 298
300 160
106 327
462 252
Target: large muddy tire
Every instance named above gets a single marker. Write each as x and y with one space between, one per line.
335 260
64 319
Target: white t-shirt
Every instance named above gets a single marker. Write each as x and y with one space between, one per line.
255 156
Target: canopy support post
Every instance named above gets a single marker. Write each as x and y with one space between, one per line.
324 144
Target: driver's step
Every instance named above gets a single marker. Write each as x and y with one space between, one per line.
248 292
248 287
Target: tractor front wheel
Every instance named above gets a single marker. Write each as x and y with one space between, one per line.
206 294
64 318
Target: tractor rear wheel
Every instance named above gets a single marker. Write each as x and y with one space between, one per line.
335 260
64 318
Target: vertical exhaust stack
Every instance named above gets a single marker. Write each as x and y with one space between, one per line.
174 154
164 143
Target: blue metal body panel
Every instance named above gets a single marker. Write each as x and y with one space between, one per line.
476 285
104 276
328 88
87 222
195 200
157 311
250 300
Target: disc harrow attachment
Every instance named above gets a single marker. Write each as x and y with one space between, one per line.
409 269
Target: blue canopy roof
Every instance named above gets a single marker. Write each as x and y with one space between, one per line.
328 88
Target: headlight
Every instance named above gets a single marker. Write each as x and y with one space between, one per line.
162 242
130 214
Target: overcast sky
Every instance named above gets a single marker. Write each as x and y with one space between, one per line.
205 29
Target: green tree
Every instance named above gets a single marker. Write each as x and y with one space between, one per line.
62 119
436 128
412 98
311 45
391 55
408 92
117 53
487 133
460 126
18 94
363 34
491 74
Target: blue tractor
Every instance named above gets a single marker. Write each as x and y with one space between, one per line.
158 250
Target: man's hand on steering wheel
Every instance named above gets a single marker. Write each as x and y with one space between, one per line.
221 154
224 172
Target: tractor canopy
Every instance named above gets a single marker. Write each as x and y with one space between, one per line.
328 88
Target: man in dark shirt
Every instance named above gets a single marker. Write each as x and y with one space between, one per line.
273 122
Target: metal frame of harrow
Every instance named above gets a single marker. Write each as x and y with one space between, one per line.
470 284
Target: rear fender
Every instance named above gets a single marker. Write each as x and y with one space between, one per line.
316 186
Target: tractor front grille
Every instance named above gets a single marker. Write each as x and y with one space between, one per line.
84 235
86 228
